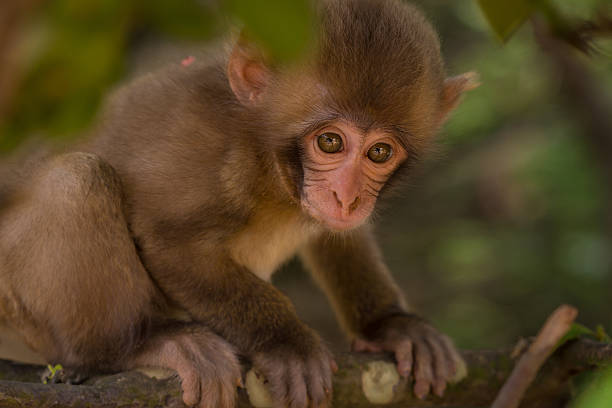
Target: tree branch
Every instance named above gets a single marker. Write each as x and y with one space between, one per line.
20 384
538 352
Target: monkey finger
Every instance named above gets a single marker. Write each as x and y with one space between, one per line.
227 392
276 374
459 367
328 367
190 384
457 362
281 394
423 370
279 391
228 377
451 355
297 396
361 345
333 365
227 397
210 393
442 364
315 381
403 355
327 370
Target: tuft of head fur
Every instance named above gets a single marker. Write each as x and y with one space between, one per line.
380 61
377 64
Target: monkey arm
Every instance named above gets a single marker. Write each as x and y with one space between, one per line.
232 301
260 322
350 270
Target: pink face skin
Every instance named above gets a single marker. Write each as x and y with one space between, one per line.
341 188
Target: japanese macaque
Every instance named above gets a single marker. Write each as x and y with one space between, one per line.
200 180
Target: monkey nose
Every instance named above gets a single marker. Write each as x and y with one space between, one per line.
347 205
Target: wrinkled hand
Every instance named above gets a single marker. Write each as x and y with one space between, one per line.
206 364
298 372
419 349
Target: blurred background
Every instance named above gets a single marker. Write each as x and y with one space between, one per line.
510 219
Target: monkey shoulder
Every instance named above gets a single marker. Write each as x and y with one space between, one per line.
166 94
174 114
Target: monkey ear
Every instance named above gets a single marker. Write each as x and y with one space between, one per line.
454 88
247 73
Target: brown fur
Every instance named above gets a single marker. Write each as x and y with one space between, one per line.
188 196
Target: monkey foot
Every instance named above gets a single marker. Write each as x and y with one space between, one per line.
206 364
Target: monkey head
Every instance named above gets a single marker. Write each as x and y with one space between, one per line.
364 104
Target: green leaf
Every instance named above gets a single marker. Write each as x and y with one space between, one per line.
53 370
184 18
284 28
576 331
602 335
506 16
598 394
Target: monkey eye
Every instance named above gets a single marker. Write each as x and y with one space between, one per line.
330 142
380 152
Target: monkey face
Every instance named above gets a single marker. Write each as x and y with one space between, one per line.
344 171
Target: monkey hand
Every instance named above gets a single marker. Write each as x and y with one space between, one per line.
419 349
298 370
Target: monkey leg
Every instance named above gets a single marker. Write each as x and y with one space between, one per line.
207 365
72 284
71 281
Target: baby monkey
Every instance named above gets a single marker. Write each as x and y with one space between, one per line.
200 180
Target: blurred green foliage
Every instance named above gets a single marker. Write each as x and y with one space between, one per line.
506 16
285 27
598 394
75 50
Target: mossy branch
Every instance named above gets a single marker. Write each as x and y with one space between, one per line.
487 371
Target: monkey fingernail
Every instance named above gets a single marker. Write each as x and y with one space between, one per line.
421 389
439 388
404 368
